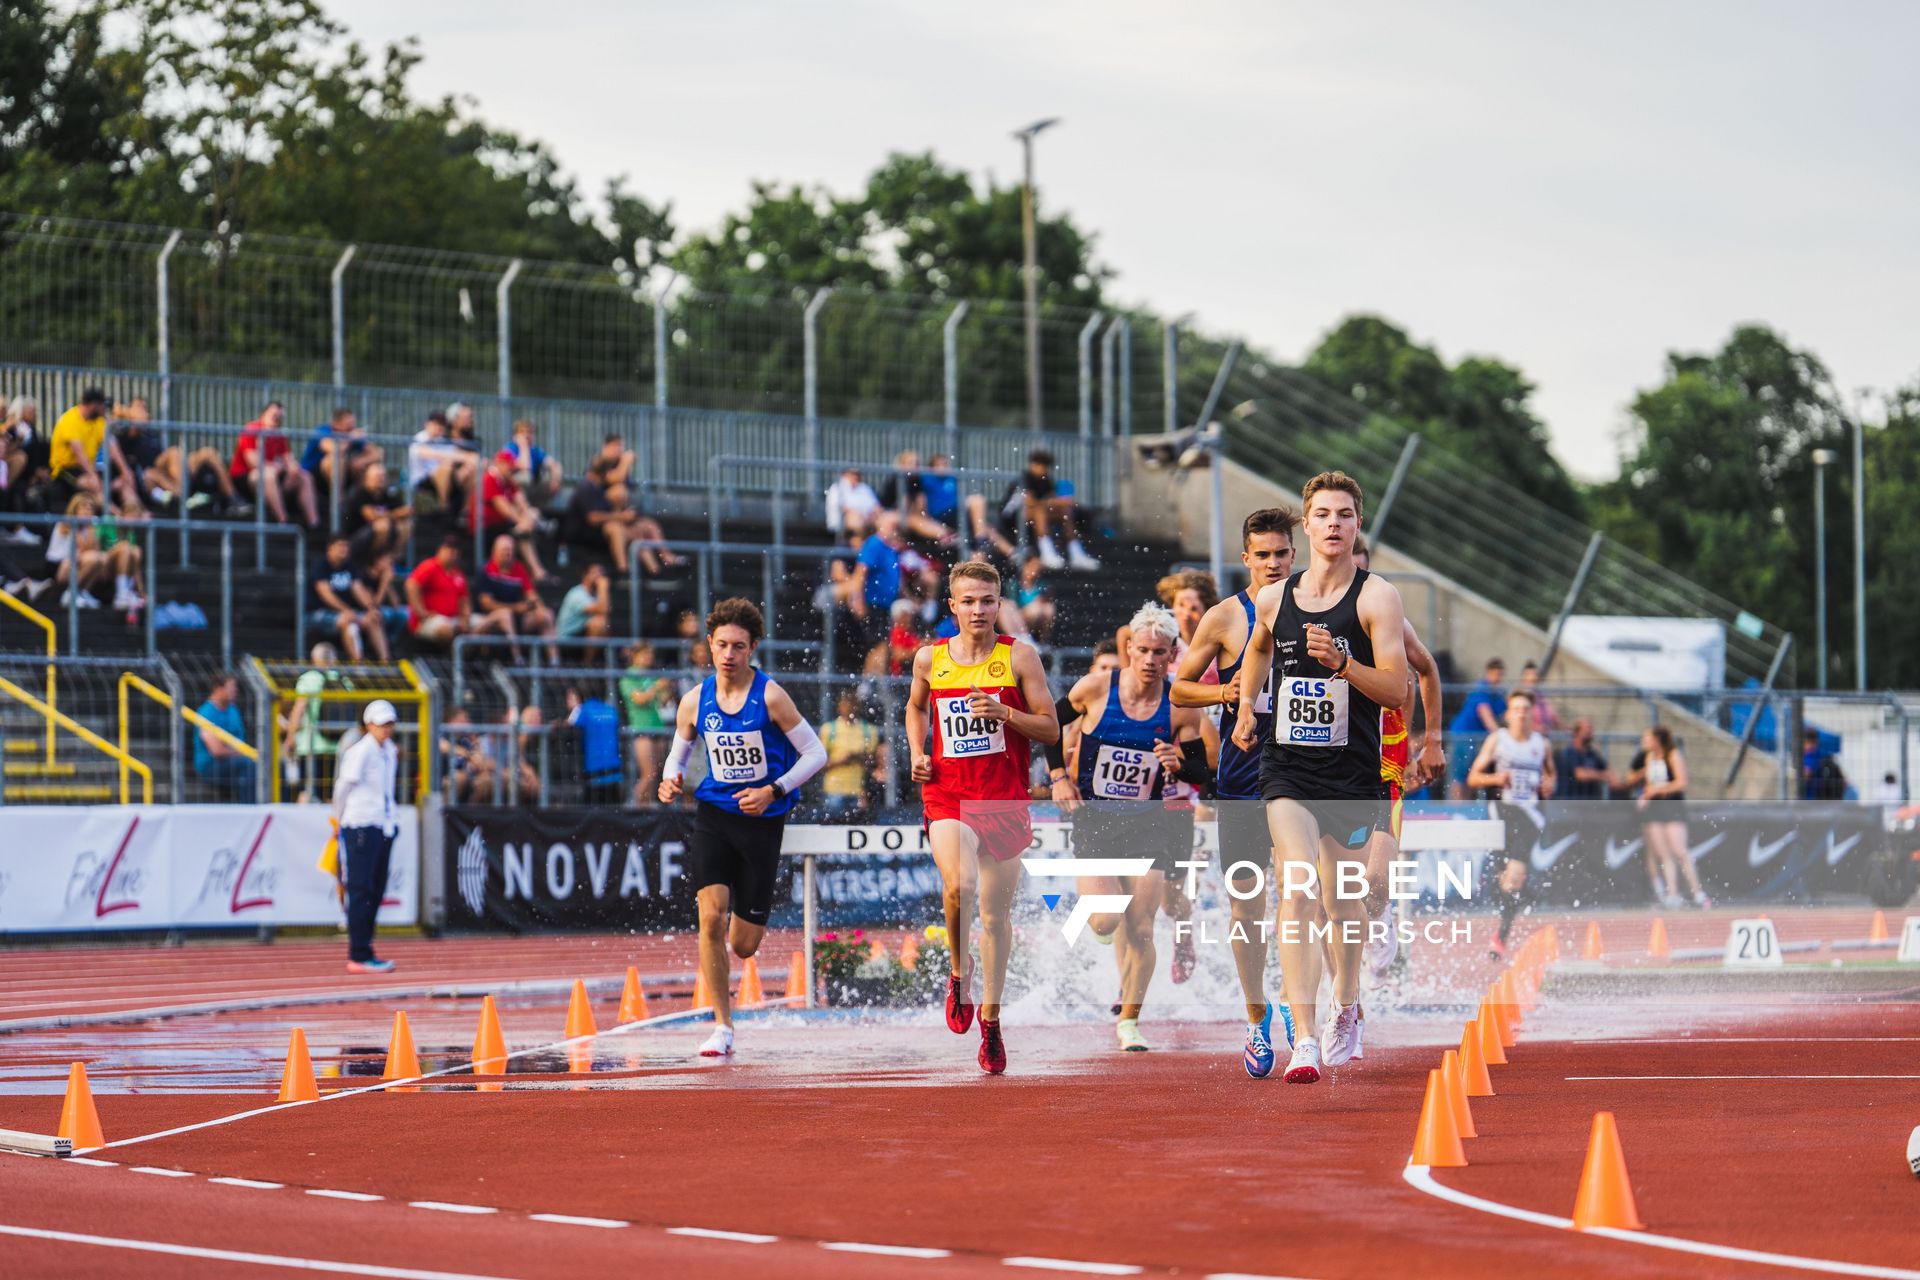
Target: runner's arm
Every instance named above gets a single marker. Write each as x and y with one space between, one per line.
1549 776
1067 712
813 756
920 767
1479 775
1188 689
1385 681
1040 725
1432 758
1256 660
675 767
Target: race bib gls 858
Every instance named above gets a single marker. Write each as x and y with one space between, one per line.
1310 711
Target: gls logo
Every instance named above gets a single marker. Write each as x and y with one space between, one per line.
1087 905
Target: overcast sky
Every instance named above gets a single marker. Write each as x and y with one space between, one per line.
1575 189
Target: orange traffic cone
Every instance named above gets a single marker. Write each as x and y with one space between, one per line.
1436 1143
1506 995
702 997
750 992
1457 1093
580 1013
1490 1047
1501 1014
79 1119
633 998
1877 931
1606 1196
489 1046
1474 1079
878 951
296 1081
403 1061
910 953
1593 948
1657 939
797 976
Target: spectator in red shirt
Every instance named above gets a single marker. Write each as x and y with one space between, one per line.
438 605
263 466
503 509
508 601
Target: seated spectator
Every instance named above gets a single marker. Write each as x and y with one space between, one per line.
215 758
79 435
585 610
598 519
157 469
25 452
1545 720
339 434
262 469
337 602
377 508
853 756
875 583
619 458
1582 771
469 769
1478 716
851 504
503 510
436 464
598 725
649 701
437 602
521 783
1820 772
905 491
903 640
76 560
941 490
121 545
508 601
1037 498
377 582
306 752
536 473
1035 600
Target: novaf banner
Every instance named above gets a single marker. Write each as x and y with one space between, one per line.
544 869
184 866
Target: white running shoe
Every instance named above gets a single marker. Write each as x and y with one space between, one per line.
1077 557
1050 558
719 1044
1342 1035
1359 1039
1382 952
1304 1066
1130 1038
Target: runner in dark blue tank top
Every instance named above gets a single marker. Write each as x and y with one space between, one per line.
759 753
1267 551
1133 743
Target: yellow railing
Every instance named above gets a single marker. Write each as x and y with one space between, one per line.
413 693
87 736
45 623
128 680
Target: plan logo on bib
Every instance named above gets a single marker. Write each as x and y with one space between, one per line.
1087 905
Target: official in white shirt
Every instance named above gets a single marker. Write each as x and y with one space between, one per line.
363 802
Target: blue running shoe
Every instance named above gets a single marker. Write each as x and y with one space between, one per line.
1286 1020
1259 1055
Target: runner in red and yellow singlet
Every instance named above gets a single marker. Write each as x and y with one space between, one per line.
978 701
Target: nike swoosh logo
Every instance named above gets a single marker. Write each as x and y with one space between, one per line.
1543 858
1619 855
1835 852
1706 846
1759 855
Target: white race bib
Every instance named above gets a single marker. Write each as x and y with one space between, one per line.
736 757
1122 773
964 735
1311 711
1523 785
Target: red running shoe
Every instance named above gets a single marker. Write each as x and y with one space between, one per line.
993 1051
959 1006
1185 959
1496 950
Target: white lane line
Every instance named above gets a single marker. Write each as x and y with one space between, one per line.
886 1250
1084 1268
359 1197
98 1164
707 1233
1244 1275
160 1173
441 1206
1767 1077
568 1220
1420 1177
1712 1040
235 1255
463 1068
248 1182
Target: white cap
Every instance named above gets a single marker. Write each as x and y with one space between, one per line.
379 711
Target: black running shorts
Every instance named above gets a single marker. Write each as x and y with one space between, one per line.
739 852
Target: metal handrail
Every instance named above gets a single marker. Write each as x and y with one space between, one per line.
128 680
87 736
45 623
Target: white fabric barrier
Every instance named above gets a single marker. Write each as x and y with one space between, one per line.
182 866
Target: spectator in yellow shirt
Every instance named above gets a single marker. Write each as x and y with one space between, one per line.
853 753
75 448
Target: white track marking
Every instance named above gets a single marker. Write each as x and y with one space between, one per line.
464 1068
887 1250
248 1182
98 1164
568 1220
1771 1077
1084 1268
1420 1177
1244 1275
235 1255
160 1173
707 1233
359 1197
441 1206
